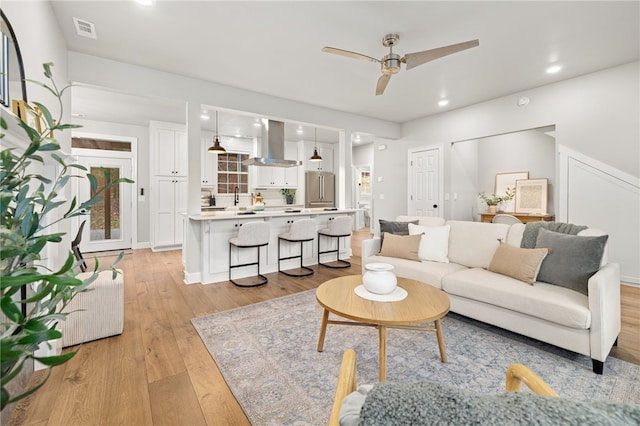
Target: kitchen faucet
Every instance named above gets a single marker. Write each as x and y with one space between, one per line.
236 197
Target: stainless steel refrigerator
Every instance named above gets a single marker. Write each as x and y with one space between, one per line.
320 189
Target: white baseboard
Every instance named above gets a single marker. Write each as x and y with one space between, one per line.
141 245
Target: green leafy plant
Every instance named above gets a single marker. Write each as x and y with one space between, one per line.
33 296
288 192
494 200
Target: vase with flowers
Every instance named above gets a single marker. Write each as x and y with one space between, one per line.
492 201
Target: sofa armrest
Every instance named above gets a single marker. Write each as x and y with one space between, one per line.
370 247
604 304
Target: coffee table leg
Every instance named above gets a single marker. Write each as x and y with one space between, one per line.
323 330
382 358
443 352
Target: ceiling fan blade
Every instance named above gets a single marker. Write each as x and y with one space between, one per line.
418 58
349 54
382 83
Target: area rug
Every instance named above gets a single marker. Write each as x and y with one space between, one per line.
267 355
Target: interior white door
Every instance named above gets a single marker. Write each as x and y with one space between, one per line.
108 224
424 183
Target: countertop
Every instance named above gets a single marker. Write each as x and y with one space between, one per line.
241 214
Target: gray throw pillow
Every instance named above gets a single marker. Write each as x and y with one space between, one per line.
572 259
397 228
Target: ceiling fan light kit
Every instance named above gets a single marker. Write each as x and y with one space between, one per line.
216 148
390 63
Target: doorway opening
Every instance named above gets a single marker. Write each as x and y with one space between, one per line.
110 223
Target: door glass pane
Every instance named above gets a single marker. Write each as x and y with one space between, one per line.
105 215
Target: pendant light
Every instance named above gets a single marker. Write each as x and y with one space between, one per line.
315 156
216 148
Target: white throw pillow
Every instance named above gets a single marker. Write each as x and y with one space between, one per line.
434 244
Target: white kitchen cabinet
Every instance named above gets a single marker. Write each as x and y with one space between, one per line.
217 250
169 211
169 150
327 243
208 167
281 225
280 177
326 152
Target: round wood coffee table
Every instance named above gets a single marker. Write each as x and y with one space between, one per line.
423 304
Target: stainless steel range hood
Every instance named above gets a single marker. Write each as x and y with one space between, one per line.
272 147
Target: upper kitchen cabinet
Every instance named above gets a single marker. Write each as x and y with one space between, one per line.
325 150
169 149
280 177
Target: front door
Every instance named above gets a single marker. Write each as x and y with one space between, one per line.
424 183
108 224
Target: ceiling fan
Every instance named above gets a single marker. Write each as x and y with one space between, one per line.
391 63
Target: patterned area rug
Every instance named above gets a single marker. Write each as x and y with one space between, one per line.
267 355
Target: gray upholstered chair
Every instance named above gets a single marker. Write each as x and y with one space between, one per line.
301 231
340 227
505 218
250 235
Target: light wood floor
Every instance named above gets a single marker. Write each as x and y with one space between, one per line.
159 371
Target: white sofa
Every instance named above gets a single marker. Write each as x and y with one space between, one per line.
557 315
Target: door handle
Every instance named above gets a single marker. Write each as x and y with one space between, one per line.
435 206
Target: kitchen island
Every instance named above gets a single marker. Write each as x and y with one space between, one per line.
217 227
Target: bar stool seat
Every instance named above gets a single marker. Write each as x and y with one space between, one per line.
339 227
300 231
250 235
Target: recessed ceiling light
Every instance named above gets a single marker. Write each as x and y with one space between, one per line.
145 2
554 69
443 102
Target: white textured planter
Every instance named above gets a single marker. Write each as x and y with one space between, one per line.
379 278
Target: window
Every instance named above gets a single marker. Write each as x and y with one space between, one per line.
232 173
365 183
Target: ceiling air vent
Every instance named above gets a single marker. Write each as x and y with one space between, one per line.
85 28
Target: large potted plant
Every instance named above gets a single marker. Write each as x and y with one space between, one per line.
33 296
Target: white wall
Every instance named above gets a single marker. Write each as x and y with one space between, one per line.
362 155
597 115
475 163
46 44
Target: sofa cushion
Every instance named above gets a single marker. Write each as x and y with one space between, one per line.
424 271
573 259
402 246
542 300
515 262
434 244
472 244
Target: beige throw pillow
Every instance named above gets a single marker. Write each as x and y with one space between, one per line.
402 246
519 263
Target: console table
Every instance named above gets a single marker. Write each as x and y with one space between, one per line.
522 217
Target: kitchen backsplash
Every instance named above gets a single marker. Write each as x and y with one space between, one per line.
272 198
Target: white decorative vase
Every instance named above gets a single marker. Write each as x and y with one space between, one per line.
379 278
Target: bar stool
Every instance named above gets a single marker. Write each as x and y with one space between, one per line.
300 231
251 234
339 227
